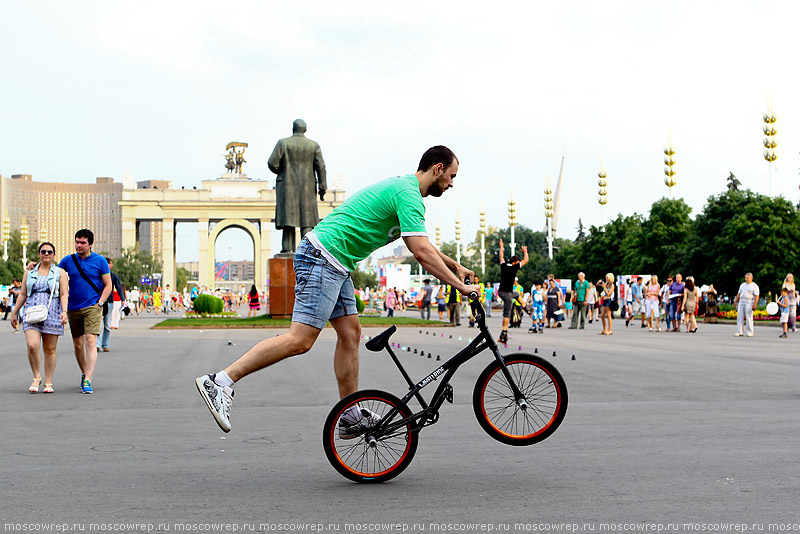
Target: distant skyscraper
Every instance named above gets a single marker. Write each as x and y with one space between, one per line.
60 210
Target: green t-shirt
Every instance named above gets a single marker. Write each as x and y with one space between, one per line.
371 218
581 288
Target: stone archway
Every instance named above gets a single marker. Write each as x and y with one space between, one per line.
254 233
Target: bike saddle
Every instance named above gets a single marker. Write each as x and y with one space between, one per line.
377 343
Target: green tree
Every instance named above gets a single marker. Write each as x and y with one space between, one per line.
132 265
5 274
740 232
362 278
15 248
661 243
181 277
14 269
581 237
602 252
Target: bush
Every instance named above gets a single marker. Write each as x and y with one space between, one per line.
208 304
359 304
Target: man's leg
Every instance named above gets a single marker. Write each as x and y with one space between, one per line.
582 312
79 346
345 357
574 323
104 338
740 313
288 241
90 355
298 340
749 322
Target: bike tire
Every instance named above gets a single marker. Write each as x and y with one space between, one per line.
545 392
354 458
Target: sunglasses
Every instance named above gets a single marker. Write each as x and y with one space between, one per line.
47 252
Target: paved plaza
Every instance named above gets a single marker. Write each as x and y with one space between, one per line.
672 429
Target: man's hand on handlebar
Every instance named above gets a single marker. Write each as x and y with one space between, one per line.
471 290
464 274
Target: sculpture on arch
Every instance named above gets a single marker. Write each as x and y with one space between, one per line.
234 158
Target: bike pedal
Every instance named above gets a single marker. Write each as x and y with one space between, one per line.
448 394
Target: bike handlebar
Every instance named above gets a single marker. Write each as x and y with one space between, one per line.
473 295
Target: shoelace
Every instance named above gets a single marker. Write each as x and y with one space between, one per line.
226 402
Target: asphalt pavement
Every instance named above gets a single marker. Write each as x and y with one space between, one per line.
671 431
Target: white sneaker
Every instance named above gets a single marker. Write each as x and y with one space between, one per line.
367 421
750 335
218 399
737 334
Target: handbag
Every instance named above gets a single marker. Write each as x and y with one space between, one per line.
83 274
37 314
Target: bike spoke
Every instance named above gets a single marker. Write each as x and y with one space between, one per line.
389 449
537 388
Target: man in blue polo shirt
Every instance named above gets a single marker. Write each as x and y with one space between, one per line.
89 287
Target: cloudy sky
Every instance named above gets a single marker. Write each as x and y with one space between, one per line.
158 88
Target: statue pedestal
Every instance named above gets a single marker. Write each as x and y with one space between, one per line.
281 287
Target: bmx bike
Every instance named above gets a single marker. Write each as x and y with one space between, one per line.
519 399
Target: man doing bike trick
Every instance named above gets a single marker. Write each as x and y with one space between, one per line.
371 218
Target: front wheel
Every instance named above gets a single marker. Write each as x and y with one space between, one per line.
367 458
502 417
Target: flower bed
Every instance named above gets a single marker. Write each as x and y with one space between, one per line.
758 315
195 315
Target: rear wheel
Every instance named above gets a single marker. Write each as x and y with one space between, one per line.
503 418
368 458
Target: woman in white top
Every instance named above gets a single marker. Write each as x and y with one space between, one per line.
591 299
652 298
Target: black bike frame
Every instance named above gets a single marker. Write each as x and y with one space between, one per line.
483 341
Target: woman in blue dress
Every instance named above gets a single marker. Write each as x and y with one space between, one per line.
45 278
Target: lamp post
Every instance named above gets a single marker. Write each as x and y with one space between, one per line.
770 154
669 161
438 235
23 234
602 192
512 220
43 235
6 236
548 213
483 241
458 238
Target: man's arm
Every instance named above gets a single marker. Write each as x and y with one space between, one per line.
106 287
319 168
438 264
502 260
274 161
525 259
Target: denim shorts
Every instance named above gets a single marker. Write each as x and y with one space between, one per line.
321 291
507 297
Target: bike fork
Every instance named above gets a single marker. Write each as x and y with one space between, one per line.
519 398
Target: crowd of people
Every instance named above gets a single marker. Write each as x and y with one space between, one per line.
673 306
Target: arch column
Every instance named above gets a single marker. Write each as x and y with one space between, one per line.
204 275
266 251
168 252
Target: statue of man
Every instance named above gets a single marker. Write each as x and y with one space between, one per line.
298 163
239 160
